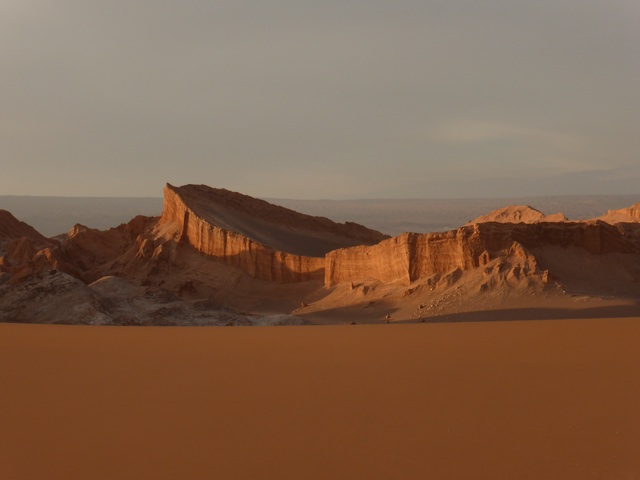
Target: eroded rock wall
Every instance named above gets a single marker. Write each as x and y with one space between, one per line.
412 256
402 259
235 249
406 258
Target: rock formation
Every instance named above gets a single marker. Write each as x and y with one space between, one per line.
265 241
624 215
518 214
23 250
275 227
412 256
96 253
12 229
214 254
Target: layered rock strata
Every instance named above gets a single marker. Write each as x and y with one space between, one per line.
255 259
275 227
412 256
403 259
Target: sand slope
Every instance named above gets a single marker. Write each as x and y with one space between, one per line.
525 400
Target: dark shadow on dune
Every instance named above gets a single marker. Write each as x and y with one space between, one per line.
360 313
347 315
511 314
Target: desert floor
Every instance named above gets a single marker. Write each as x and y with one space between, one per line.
556 399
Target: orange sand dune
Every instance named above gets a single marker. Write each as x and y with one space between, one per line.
525 400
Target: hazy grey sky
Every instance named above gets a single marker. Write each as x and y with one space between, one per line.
320 99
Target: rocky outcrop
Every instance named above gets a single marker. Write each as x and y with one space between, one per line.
272 226
12 229
93 251
624 215
201 258
402 259
412 256
183 224
265 241
518 214
23 250
19 242
254 259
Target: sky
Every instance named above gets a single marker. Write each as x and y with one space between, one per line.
320 99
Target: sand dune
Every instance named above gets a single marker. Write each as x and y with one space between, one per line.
525 400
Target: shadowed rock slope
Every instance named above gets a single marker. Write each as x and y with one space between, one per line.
22 248
11 229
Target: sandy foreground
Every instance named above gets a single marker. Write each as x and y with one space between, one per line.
525 400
